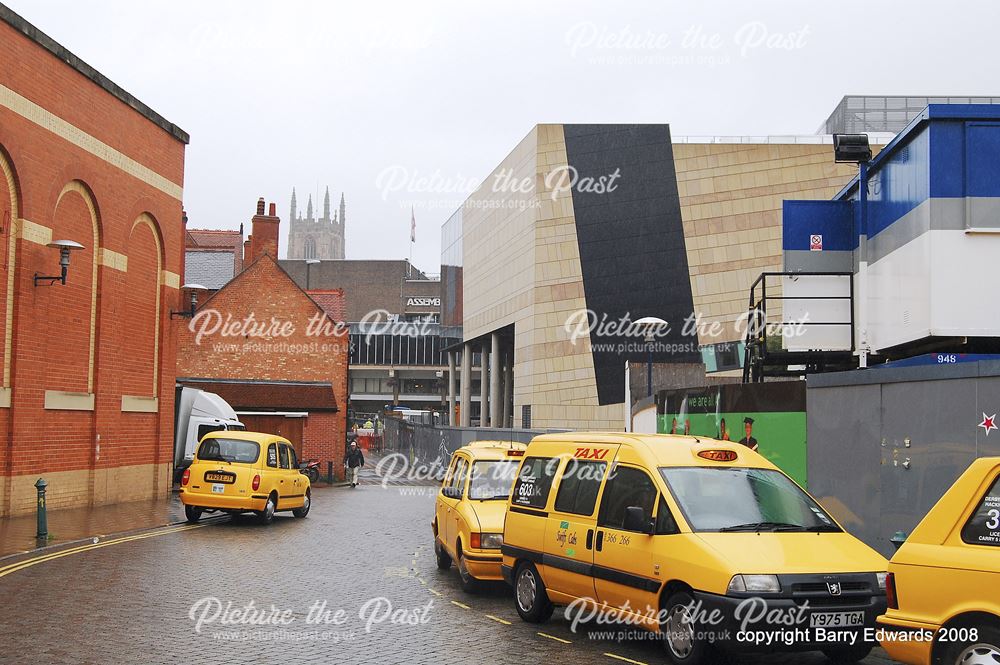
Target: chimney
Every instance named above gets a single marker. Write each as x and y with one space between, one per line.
264 232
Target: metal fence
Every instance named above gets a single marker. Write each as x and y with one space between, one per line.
426 444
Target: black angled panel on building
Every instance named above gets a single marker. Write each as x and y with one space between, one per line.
631 243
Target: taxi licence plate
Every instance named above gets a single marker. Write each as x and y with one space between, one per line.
218 488
836 619
218 477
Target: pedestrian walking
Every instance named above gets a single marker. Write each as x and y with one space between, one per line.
353 461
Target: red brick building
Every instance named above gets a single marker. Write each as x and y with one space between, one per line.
87 380
273 352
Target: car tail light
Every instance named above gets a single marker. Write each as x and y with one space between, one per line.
476 541
890 592
186 476
256 483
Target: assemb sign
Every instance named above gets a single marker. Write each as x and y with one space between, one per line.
423 302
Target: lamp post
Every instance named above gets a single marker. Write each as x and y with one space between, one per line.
650 325
309 264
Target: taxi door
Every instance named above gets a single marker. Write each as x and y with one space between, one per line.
571 526
285 487
624 572
298 481
444 504
456 487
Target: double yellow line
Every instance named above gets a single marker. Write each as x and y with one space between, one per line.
21 565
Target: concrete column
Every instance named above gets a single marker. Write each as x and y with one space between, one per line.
466 404
508 389
484 386
451 388
496 396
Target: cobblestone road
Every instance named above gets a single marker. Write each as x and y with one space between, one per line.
366 552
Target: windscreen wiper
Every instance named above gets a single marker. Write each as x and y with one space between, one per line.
759 526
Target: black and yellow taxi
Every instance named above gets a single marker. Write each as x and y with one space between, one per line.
703 541
470 508
237 472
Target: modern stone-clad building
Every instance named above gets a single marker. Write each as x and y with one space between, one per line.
87 394
584 229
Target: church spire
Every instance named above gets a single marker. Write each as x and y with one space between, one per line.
343 210
326 205
309 208
293 213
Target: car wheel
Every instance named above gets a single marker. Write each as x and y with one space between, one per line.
532 602
848 655
192 513
469 583
304 510
983 650
680 633
265 516
443 560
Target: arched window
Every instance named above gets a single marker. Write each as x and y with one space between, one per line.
309 248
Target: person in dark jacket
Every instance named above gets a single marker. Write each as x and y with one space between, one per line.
353 461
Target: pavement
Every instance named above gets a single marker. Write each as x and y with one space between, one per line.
354 582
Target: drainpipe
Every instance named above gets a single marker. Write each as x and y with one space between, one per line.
862 304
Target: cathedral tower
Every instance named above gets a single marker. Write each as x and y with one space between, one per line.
316 237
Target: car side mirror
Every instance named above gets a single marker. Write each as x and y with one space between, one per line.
636 520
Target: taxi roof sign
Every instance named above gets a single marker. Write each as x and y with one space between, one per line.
718 455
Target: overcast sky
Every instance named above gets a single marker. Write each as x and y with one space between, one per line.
377 99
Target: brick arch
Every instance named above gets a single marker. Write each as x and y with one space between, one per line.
70 191
143 279
8 258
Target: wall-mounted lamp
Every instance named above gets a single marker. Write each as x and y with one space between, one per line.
64 247
193 290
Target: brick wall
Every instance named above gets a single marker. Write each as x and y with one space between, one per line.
78 163
265 292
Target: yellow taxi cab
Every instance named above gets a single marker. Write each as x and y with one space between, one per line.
470 508
703 541
944 581
236 472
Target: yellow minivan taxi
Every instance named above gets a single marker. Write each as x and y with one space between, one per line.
944 581
236 472
703 541
470 508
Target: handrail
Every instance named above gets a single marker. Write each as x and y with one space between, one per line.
755 354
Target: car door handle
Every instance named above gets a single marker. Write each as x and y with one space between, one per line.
600 541
590 539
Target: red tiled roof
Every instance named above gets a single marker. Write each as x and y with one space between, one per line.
276 395
330 301
213 238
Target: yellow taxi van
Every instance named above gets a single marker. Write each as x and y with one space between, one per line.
236 472
703 541
944 581
470 508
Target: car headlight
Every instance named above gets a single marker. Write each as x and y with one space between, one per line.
492 541
881 580
754 584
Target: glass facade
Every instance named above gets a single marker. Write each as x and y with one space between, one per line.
424 347
451 270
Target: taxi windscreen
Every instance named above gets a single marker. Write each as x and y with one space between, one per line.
492 479
229 450
735 499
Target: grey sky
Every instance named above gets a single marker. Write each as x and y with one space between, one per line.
316 93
